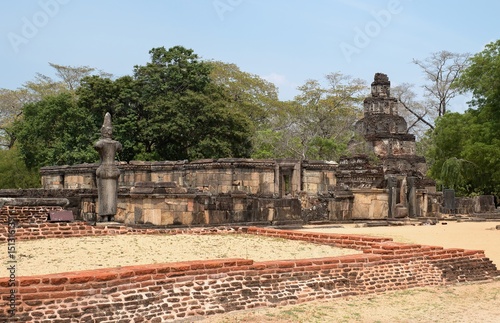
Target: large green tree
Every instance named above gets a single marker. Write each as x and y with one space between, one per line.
170 109
55 131
466 148
13 171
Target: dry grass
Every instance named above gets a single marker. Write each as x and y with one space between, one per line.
460 303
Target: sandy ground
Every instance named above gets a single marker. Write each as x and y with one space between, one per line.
38 257
466 235
461 303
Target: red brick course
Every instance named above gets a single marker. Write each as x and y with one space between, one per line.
174 291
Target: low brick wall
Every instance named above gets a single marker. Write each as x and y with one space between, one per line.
82 229
26 214
175 291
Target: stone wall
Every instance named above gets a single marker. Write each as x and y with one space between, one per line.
189 290
262 177
205 209
199 192
370 203
476 204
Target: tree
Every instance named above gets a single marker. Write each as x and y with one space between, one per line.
417 114
249 93
98 95
482 78
11 103
186 115
467 146
71 76
42 86
448 138
441 69
13 171
466 153
317 123
54 131
170 109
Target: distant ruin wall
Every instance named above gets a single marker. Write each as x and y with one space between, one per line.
261 177
187 290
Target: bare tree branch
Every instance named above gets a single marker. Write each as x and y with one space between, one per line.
442 69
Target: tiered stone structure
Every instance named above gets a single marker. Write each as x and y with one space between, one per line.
387 181
386 132
392 163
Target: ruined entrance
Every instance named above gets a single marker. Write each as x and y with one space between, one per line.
285 182
288 178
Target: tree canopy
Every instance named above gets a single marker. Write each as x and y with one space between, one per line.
317 124
55 131
169 109
467 146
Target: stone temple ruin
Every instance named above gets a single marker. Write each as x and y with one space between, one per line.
387 181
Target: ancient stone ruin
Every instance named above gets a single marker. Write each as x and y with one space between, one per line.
382 179
386 182
386 132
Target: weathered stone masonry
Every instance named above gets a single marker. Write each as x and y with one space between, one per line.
385 179
172 291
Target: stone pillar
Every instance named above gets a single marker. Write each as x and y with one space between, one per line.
296 180
412 197
449 201
403 193
392 186
107 173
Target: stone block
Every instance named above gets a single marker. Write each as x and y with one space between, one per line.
378 209
311 188
167 217
152 216
401 211
138 215
270 214
186 218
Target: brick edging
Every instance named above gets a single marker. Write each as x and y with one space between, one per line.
163 292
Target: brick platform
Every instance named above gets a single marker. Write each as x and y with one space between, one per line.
173 291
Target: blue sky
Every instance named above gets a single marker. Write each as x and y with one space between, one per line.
285 41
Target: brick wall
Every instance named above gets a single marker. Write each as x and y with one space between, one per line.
82 229
26 214
173 291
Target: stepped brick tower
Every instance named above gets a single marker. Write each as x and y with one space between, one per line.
386 132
